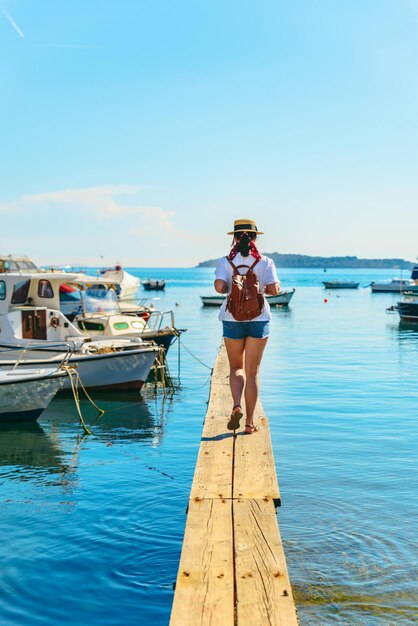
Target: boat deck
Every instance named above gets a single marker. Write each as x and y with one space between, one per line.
232 569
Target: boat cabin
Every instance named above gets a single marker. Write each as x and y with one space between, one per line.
30 308
14 263
101 313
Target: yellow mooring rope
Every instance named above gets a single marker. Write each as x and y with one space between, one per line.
76 381
161 366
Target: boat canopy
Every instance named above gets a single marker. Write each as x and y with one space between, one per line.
31 289
92 281
414 273
14 263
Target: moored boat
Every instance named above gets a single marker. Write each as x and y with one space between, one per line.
26 392
153 285
127 284
398 285
282 299
408 311
100 364
102 315
15 263
30 318
339 284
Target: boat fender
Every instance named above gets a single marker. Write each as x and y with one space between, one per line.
55 321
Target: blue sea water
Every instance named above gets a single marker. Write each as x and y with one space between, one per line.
92 527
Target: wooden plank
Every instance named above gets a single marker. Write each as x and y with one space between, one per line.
205 582
264 595
232 541
213 473
221 367
254 467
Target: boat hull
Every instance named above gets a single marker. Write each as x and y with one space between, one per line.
408 311
393 288
25 400
340 285
162 338
125 369
160 286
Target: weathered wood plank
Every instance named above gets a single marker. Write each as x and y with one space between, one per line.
264 595
254 467
205 582
232 540
213 474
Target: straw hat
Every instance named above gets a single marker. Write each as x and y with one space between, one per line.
247 225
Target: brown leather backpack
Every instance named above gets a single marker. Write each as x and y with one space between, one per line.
245 302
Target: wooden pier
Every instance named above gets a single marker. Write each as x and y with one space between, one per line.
232 569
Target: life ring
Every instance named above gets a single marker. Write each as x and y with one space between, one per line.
55 321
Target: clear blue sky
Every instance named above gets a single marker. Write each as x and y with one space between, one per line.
138 131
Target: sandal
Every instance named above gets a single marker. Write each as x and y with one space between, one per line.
234 420
250 429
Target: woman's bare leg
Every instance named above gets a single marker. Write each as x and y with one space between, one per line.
235 351
254 349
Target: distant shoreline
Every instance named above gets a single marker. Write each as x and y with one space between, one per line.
332 262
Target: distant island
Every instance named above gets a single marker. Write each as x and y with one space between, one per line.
330 262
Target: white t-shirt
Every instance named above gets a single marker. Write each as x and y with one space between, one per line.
266 273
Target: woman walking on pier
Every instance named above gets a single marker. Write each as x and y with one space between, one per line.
245 275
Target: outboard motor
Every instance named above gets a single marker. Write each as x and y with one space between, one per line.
414 273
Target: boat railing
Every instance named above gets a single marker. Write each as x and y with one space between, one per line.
66 348
160 319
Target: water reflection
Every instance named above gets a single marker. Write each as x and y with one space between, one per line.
49 451
404 333
127 416
28 449
281 311
407 329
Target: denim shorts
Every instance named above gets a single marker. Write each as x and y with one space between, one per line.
240 330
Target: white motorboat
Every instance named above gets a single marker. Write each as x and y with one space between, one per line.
100 364
30 317
14 263
398 285
26 393
101 314
127 284
282 299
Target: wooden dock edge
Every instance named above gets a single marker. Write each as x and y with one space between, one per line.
232 569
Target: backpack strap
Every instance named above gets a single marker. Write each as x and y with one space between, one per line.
250 267
233 266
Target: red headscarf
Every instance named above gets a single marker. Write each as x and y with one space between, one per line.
253 249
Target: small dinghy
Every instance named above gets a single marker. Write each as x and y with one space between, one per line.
153 285
338 284
282 299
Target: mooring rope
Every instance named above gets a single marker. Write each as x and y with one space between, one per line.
194 356
75 382
161 371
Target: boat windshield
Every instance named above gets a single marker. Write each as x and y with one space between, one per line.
97 300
